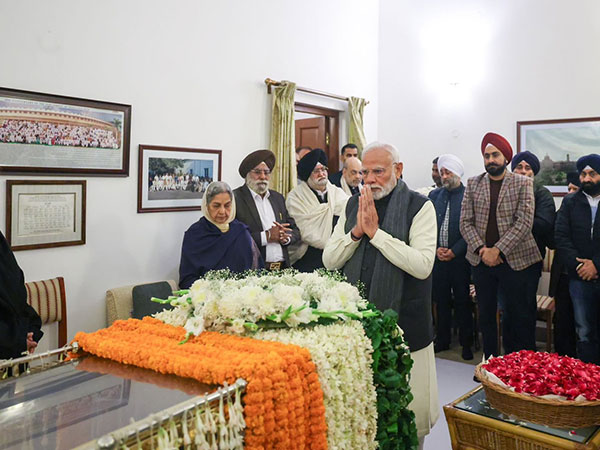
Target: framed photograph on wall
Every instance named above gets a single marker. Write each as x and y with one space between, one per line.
558 144
45 213
52 134
174 178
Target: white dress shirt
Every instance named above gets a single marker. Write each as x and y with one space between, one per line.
274 252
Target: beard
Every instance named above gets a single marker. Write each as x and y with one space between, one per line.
590 188
383 191
494 169
319 184
451 183
258 186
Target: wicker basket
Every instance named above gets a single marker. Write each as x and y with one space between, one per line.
553 413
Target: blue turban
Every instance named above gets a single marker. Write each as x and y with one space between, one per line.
592 160
529 158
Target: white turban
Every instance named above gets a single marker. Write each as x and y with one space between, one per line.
451 163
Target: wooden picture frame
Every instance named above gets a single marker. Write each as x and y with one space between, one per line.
45 213
558 144
43 134
175 178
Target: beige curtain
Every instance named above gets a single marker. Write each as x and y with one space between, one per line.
356 134
283 128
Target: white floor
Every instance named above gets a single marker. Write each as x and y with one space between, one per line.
454 380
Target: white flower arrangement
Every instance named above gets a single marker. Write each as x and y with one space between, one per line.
342 353
219 302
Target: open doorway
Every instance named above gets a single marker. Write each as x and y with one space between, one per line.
318 127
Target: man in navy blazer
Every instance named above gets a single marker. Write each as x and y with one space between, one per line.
577 235
451 271
264 210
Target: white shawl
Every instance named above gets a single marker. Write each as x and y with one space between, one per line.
314 219
346 187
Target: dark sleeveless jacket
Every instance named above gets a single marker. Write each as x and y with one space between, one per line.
391 287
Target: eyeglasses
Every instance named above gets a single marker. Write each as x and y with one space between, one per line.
319 169
377 172
259 171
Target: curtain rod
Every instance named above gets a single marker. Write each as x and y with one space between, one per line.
269 82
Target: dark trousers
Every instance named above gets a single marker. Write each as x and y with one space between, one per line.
312 260
519 315
586 308
532 275
565 338
452 277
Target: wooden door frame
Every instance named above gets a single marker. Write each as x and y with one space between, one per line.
332 127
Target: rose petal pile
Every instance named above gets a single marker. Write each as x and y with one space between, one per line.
541 373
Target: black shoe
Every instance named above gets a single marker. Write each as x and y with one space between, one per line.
440 348
467 354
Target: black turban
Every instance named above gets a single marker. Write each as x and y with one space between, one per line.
308 162
592 160
529 158
254 159
573 178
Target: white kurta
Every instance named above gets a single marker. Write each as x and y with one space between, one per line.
415 258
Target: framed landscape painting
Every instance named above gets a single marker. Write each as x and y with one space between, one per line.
174 178
558 144
43 134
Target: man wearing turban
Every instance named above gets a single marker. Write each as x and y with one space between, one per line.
527 164
451 271
496 222
264 210
316 205
577 235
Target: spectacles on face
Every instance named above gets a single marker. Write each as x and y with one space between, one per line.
259 172
317 170
377 172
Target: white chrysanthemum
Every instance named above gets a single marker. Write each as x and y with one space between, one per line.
342 353
194 325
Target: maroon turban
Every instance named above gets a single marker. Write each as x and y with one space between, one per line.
499 142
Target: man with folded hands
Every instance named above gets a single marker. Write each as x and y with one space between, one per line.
264 210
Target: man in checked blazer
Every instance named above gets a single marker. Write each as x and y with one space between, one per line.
496 222
264 210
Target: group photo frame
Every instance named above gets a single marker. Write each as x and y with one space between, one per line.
45 213
45 134
558 144
175 178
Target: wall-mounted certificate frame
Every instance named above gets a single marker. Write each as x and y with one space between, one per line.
45 213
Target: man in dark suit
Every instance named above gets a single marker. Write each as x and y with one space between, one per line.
264 210
577 235
348 151
451 271
496 221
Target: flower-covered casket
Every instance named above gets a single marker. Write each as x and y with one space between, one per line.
321 367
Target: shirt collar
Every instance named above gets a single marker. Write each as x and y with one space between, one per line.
590 199
256 195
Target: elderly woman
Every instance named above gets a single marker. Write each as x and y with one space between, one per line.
217 240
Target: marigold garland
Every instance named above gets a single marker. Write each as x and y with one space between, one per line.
283 403
342 354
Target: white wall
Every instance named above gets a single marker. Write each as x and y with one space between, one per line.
193 71
513 60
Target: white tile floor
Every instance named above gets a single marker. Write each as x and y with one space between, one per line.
454 380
